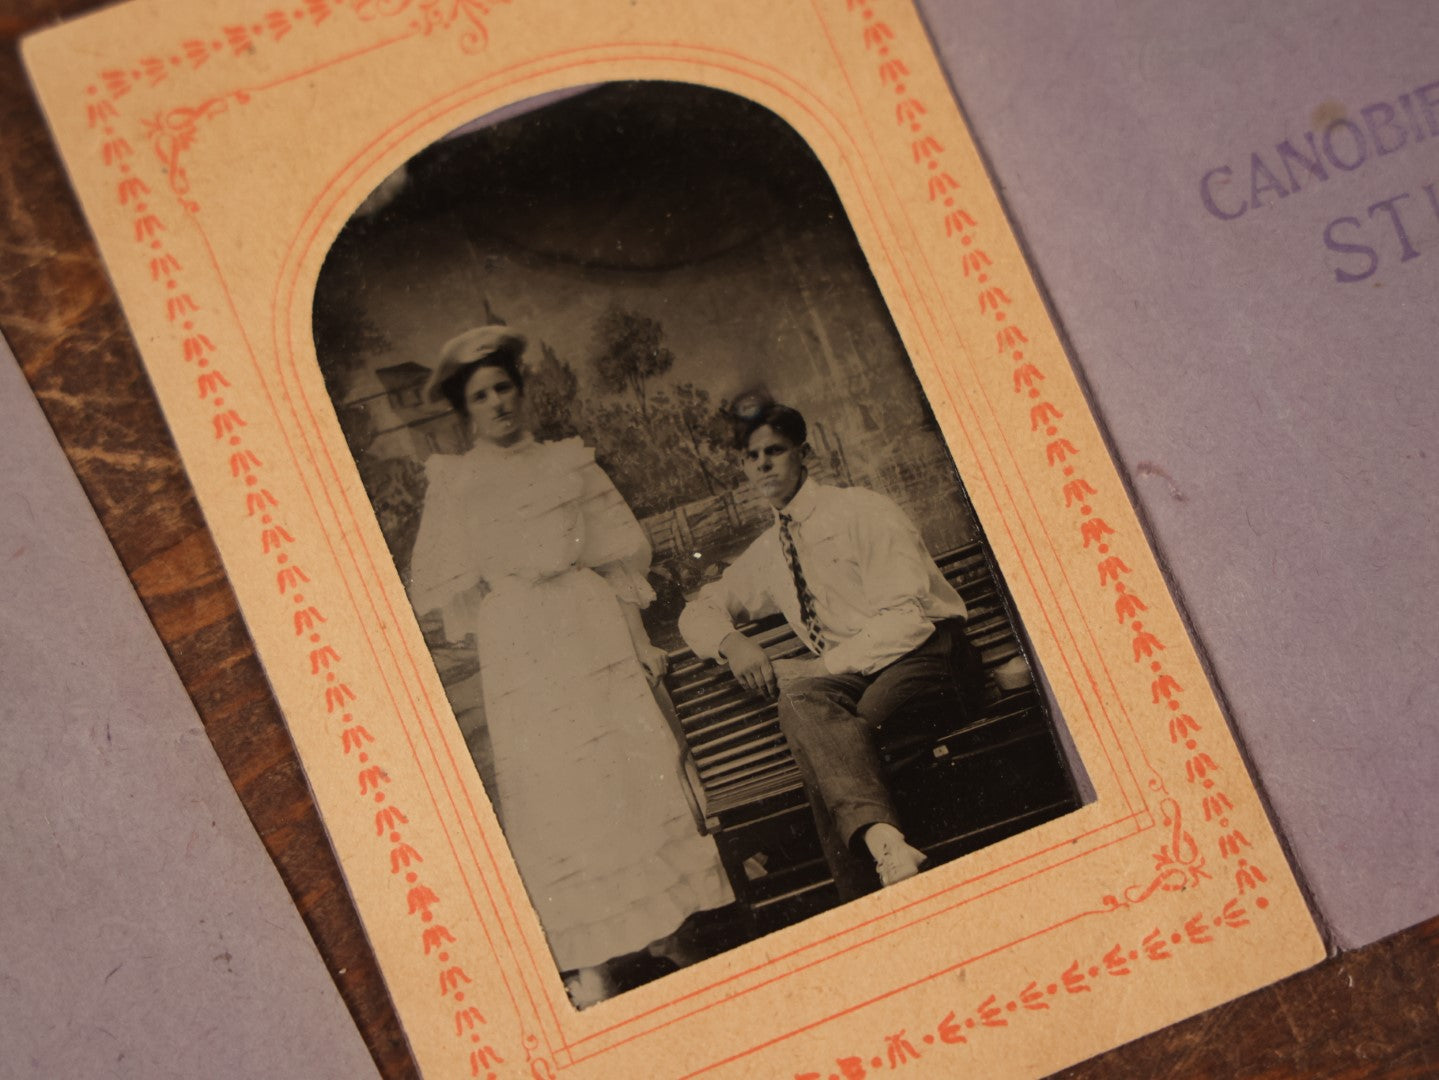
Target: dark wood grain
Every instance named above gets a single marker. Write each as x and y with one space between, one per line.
1370 1013
64 324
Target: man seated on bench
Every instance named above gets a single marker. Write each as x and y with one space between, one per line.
851 575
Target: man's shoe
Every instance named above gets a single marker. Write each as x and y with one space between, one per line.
894 859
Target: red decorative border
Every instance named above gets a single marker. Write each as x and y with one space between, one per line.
992 300
288 350
1179 862
245 39
170 133
941 1037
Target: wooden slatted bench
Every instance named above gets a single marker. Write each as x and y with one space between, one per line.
992 770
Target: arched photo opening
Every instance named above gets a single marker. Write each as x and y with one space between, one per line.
620 280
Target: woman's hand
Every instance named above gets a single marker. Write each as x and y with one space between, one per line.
653 659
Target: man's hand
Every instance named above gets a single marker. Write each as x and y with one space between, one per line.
749 664
809 667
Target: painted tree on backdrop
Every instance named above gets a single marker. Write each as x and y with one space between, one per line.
629 352
345 342
551 387
664 444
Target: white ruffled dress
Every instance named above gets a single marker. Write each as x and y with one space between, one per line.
587 768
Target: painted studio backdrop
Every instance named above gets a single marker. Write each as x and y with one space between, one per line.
667 250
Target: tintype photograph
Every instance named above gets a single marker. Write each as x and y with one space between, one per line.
722 633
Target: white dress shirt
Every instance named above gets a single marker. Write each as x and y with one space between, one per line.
877 592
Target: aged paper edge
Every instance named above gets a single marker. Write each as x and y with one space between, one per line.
952 274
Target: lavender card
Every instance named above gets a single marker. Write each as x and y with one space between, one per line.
144 930
1233 207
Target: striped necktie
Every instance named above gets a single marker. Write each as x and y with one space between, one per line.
807 615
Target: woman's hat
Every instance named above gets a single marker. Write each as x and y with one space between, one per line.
465 349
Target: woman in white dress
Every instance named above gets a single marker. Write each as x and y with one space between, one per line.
586 767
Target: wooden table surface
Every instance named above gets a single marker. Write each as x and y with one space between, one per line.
1370 1013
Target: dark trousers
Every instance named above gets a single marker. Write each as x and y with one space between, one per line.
831 723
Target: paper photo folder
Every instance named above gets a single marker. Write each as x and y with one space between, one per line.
220 153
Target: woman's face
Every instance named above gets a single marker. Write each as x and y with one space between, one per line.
495 399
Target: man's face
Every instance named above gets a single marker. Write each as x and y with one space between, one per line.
774 465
